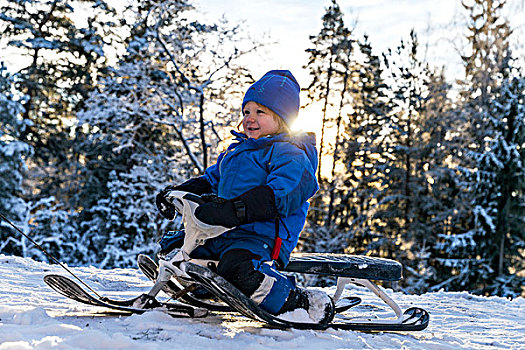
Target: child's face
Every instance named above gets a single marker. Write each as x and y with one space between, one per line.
258 121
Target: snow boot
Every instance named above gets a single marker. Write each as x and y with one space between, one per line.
319 306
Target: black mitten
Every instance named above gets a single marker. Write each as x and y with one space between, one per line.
163 205
257 204
196 185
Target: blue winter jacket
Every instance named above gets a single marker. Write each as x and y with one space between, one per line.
287 164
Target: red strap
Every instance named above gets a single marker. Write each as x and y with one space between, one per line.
276 248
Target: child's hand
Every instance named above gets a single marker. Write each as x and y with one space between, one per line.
212 197
257 204
163 205
218 214
196 185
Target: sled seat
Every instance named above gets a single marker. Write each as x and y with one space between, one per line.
343 265
355 269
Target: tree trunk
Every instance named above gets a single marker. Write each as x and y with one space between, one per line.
325 107
335 155
202 133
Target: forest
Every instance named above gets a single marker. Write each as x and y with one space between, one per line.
113 105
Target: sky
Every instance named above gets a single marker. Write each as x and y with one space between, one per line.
289 23
386 22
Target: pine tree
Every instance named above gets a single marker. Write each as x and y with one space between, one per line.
364 160
347 72
488 42
326 65
404 169
483 257
64 57
509 107
322 64
13 155
495 253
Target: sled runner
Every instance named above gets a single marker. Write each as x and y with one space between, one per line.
73 290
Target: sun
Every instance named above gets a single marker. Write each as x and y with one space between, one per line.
309 119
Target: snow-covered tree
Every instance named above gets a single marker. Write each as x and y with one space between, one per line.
364 104
150 124
484 256
127 152
397 158
509 111
362 147
124 224
487 43
348 70
63 54
54 229
13 155
331 65
488 257
48 225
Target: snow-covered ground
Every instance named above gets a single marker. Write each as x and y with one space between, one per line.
33 316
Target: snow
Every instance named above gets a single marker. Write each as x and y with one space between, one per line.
33 316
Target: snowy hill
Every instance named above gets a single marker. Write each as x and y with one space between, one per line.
32 316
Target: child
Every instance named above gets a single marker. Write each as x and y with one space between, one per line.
263 181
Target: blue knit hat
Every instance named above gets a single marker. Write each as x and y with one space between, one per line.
277 90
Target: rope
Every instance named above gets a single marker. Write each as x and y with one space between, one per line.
49 255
